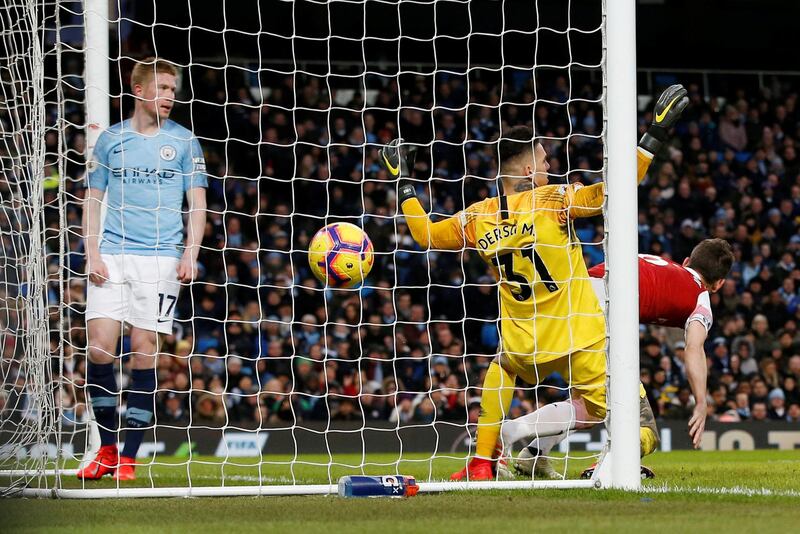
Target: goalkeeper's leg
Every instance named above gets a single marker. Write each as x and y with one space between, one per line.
533 458
550 425
546 440
498 390
586 372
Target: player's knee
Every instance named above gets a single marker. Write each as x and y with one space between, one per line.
144 344
596 413
100 352
588 412
503 361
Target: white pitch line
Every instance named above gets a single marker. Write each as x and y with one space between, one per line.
736 490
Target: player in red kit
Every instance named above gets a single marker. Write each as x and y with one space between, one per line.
677 295
669 293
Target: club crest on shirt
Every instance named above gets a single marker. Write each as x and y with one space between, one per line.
91 165
168 152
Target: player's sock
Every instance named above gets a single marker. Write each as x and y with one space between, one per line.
140 409
498 390
551 421
102 387
648 440
545 444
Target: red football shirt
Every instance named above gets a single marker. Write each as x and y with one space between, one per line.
669 293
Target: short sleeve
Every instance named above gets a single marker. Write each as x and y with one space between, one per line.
702 312
97 167
194 166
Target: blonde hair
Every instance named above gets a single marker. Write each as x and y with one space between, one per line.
145 70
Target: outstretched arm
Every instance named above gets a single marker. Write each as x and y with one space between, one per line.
447 234
588 201
697 373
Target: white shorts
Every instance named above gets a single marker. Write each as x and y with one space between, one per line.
141 291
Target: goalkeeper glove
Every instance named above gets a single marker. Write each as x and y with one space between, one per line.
398 158
668 109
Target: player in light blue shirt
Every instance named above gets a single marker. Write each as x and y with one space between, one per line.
145 179
143 168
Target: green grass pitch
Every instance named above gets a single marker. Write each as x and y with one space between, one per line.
736 491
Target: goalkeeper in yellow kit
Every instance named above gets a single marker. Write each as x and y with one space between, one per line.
550 319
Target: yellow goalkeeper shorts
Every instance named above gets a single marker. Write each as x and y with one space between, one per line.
583 370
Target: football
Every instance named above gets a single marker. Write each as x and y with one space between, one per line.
340 255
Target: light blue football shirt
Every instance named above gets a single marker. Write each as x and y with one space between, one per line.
145 179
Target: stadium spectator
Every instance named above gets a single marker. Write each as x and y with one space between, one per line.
257 341
759 412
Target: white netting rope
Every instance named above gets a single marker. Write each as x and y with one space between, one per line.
28 418
263 361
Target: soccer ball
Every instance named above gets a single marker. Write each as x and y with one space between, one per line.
340 255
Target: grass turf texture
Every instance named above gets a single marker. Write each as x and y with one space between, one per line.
683 507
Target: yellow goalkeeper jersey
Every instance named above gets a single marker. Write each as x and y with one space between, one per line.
547 306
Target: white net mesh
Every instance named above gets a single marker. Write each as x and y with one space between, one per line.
28 421
269 378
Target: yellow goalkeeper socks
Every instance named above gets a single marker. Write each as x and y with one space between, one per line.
498 390
648 440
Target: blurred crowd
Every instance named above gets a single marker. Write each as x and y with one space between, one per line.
732 171
259 342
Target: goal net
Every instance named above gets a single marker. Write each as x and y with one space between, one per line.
30 276
271 382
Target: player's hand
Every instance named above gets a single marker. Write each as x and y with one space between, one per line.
669 107
666 113
97 270
697 424
398 158
187 268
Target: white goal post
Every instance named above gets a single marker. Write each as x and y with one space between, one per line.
622 245
272 384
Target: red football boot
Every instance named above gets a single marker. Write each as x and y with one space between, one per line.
478 469
104 463
126 469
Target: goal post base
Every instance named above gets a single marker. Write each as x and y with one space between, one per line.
602 476
285 490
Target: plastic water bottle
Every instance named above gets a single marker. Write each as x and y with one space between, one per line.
377 486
